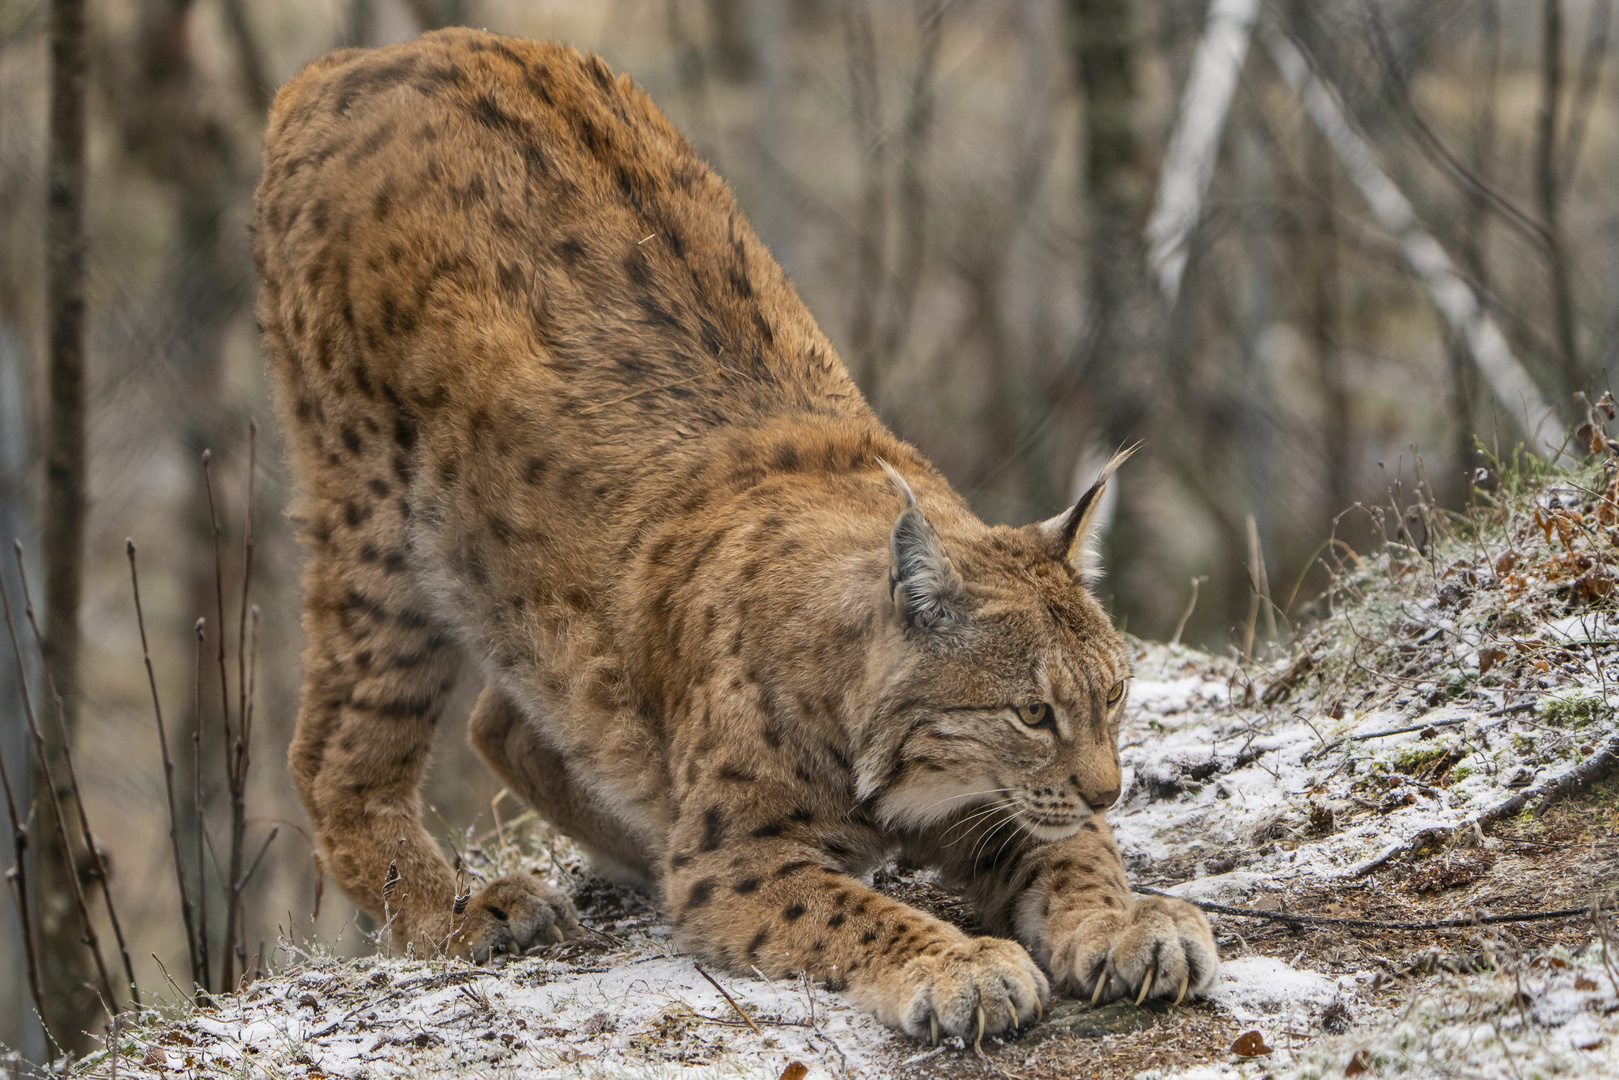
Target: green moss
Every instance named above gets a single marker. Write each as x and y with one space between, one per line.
1460 773
1412 758
1574 711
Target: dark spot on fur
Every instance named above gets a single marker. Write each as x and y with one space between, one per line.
764 831
748 885
789 869
713 829
700 893
835 921
492 116
793 912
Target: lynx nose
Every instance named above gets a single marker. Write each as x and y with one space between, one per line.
1101 800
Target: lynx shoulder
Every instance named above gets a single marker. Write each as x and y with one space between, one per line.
557 416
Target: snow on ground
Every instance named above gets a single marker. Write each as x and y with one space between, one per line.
1442 693
621 1004
633 1010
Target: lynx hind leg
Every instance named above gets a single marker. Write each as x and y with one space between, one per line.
536 773
377 671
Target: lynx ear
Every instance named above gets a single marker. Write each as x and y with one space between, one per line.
1067 536
923 585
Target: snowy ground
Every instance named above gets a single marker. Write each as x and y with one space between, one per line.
1362 775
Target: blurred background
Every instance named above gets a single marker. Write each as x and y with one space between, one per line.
1313 253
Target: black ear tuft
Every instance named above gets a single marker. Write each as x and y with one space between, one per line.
1067 536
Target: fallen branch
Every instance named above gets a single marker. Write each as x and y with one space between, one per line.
728 999
1375 924
1505 710
1588 773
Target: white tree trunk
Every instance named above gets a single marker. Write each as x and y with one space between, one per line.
1194 146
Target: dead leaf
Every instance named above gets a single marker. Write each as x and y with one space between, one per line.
1358 1064
1250 1044
1582 983
1505 562
1488 658
795 1070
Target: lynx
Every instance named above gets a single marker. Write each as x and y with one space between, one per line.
553 409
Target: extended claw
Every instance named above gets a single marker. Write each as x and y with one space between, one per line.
1039 1011
1146 984
1012 1008
1182 995
1096 995
933 1032
980 1024
554 934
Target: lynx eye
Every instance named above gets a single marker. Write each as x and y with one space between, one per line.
1036 714
1116 693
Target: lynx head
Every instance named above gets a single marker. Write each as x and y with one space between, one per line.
1004 680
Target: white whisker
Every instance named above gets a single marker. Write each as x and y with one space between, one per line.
983 841
974 816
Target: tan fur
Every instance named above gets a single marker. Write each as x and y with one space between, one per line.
554 409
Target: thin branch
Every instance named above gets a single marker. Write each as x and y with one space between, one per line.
98 865
1429 141
912 190
729 1000
1374 924
17 878
1548 194
249 55
197 804
69 863
197 975
1590 78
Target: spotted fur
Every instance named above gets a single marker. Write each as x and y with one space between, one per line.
554 410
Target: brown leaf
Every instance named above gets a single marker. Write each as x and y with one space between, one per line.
1488 658
1358 1064
1505 562
1250 1044
795 1070
1582 983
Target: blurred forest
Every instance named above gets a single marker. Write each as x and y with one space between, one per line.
1405 247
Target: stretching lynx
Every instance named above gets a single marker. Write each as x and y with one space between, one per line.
554 409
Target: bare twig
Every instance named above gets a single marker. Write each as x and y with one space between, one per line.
17 878
1375 924
238 750
98 864
1589 79
729 1000
1549 191
912 201
92 941
866 106
196 801
1191 605
1505 710
197 975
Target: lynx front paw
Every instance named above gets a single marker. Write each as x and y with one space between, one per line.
974 988
510 914
1158 948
